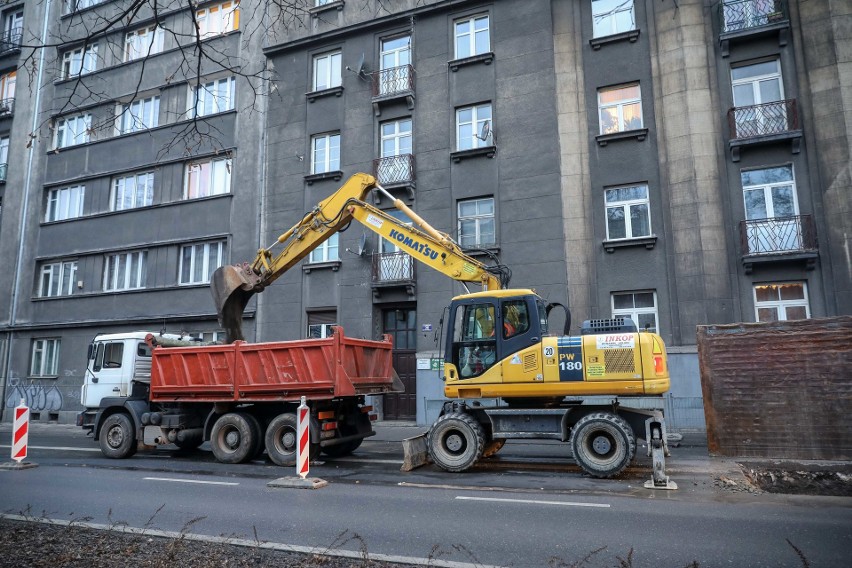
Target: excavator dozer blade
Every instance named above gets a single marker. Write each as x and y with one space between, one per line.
232 288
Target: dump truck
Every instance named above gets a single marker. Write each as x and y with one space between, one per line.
145 390
497 345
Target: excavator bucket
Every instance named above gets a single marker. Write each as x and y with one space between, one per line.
232 288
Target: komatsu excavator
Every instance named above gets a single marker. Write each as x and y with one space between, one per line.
497 345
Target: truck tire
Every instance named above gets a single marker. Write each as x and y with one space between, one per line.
343 449
603 444
233 439
455 441
117 438
257 435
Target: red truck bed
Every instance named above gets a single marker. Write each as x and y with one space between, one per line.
278 371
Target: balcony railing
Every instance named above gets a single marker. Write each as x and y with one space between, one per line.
7 107
765 119
392 268
778 235
393 81
11 40
3 173
394 169
742 15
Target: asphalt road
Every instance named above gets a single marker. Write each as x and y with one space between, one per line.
532 507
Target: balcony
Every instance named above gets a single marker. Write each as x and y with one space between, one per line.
7 107
3 168
395 172
779 239
742 19
10 41
393 84
764 124
393 270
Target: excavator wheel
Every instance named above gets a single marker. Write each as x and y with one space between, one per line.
456 441
603 444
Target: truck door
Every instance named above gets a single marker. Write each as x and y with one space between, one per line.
107 373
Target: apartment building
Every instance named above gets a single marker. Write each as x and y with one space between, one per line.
683 163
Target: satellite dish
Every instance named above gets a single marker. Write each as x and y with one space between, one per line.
362 244
360 67
486 131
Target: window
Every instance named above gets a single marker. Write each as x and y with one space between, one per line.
80 61
473 36
469 127
771 209
7 90
319 324
77 5
13 28
57 279
129 192
620 109
395 57
214 97
4 156
754 87
322 2
627 212
125 271
612 17
209 336
65 203
143 42
473 339
396 151
325 153
219 19
476 223
198 261
73 130
327 251
139 115
515 318
211 177
327 71
45 358
780 302
641 307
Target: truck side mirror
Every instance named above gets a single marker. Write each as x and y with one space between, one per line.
91 351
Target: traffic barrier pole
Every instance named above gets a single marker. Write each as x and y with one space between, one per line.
303 448
20 432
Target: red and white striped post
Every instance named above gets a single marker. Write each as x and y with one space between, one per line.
303 448
20 432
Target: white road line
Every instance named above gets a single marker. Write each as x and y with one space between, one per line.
189 481
60 448
534 502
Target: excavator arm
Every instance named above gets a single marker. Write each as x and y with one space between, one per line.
233 286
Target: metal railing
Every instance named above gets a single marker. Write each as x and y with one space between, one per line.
7 106
394 169
760 120
3 168
11 39
747 14
392 267
393 80
773 235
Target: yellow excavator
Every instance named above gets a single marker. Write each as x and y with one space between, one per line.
497 345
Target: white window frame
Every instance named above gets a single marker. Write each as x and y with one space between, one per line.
465 41
205 250
44 357
130 271
479 117
213 97
781 305
80 61
218 19
477 218
608 23
4 150
626 206
215 167
325 144
755 80
65 203
619 105
141 114
324 330
77 5
57 279
328 251
132 191
8 81
72 130
143 42
327 70
634 312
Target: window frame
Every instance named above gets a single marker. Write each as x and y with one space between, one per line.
63 131
634 312
85 63
210 25
613 16
48 363
328 163
470 36
477 219
76 195
781 305
333 77
112 284
143 42
619 105
212 185
626 207
55 276
476 126
116 191
128 121
206 269
201 93
327 251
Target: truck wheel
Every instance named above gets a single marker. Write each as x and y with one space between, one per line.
455 441
603 444
492 448
117 439
233 438
257 434
343 449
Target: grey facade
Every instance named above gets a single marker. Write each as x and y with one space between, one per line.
700 246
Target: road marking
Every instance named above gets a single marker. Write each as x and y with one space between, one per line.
176 480
60 448
534 502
